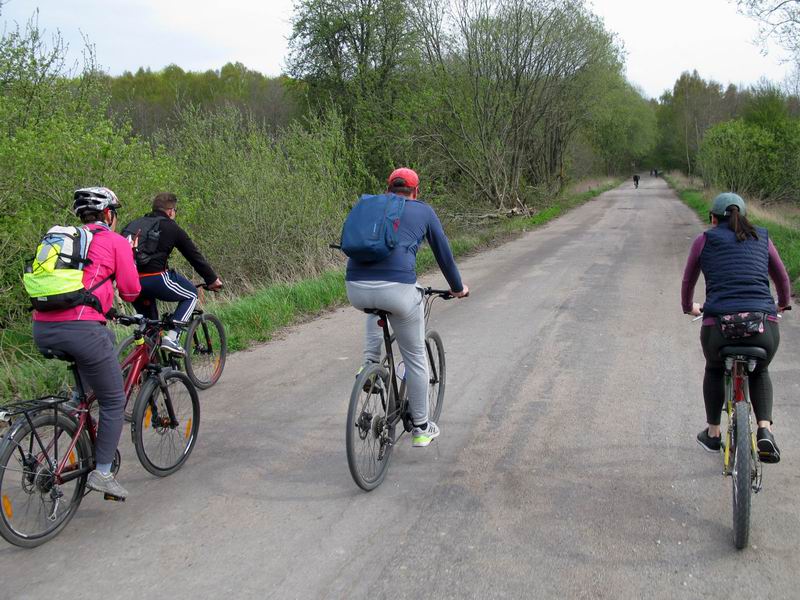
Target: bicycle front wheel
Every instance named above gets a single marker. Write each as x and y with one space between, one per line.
166 419
34 507
742 474
206 350
434 348
369 434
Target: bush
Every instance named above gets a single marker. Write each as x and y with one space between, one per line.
750 159
264 209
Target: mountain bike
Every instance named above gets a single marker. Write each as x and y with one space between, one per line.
379 403
205 344
47 453
740 460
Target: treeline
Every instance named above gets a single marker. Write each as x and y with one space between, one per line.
744 140
496 103
151 101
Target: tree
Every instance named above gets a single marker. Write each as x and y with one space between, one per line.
509 83
778 20
361 56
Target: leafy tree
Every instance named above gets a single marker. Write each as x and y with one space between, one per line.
361 56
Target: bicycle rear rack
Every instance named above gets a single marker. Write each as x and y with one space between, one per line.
28 406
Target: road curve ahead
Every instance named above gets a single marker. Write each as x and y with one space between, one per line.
567 464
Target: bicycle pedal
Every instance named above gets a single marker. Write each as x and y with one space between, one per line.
107 496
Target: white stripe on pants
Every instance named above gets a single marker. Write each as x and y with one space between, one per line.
407 318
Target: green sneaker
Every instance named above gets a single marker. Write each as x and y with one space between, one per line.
423 437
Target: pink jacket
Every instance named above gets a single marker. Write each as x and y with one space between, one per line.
110 253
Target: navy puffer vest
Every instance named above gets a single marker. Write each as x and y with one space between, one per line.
736 273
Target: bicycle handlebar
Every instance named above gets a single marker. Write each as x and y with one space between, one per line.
205 286
129 320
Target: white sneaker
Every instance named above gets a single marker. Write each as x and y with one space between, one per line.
423 437
171 345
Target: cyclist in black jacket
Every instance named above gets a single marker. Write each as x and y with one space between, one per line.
158 281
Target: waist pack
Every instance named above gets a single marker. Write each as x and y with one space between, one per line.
54 277
741 325
147 232
370 231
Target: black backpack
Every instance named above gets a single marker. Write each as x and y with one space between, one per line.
148 231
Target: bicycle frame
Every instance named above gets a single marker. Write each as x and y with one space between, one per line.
736 379
402 401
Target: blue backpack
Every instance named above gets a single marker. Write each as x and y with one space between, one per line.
370 231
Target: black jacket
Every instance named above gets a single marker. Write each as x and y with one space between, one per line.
172 236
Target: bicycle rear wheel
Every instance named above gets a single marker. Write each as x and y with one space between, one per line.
369 435
166 419
33 507
742 474
434 347
206 350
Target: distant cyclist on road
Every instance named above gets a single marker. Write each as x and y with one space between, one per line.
737 261
155 236
81 332
636 181
391 285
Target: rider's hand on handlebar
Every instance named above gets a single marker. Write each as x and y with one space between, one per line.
217 285
784 308
462 294
697 310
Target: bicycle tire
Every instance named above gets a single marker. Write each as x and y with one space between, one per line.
369 437
742 475
12 496
434 348
203 365
152 428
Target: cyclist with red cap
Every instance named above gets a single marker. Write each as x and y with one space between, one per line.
391 285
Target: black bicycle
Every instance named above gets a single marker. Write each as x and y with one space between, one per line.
378 402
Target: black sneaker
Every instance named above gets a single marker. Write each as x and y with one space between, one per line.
767 448
708 443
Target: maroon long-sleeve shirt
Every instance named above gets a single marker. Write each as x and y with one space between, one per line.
777 272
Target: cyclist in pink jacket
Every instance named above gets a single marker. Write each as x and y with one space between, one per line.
81 331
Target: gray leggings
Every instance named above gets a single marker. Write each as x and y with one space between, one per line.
407 318
92 346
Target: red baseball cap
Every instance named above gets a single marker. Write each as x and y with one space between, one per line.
408 176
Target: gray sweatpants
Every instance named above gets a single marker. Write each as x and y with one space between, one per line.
92 346
407 318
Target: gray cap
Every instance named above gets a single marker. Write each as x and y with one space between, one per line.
721 203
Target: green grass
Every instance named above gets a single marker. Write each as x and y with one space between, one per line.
786 239
257 316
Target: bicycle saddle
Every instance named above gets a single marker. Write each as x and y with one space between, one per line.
58 354
377 311
748 351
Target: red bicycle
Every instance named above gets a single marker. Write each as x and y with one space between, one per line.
48 452
166 414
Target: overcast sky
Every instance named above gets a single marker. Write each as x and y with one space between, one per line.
662 38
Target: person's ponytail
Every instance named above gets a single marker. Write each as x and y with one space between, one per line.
740 225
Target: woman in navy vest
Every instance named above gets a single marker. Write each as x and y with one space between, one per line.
737 261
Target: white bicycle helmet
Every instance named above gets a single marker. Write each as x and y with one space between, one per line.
95 199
